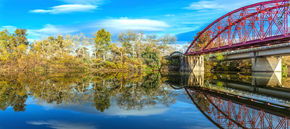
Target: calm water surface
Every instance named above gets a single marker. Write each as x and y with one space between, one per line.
144 101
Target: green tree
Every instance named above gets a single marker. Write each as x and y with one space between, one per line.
102 43
117 52
151 58
82 52
138 45
67 53
126 40
5 46
20 37
102 97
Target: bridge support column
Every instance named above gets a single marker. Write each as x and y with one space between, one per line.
267 64
192 63
196 79
271 79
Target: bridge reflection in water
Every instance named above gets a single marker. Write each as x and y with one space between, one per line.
259 101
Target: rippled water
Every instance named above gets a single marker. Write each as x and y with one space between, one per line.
142 101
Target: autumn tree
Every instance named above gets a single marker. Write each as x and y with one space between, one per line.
126 40
165 41
151 58
133 51
20 37
5 46
102 43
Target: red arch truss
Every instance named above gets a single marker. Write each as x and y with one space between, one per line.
258 24
234 112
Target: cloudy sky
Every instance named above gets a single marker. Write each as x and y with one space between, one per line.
50 17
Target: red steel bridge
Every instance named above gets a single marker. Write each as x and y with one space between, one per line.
260 24
231 111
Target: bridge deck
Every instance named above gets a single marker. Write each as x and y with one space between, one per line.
273 50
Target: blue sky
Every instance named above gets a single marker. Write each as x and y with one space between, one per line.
43 18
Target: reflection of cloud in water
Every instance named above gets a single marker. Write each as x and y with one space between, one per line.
61 125
146 111
199 127
114 109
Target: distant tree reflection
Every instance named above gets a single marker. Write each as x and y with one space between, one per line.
131 91
101 97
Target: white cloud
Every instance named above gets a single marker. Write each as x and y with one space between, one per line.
71 6
67 8
220 4
61 125
147 110
169 15
204 5
52 30
9 28
134 24
112 25
91 2
114 109
182 46
49 30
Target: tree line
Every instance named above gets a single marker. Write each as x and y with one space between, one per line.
132 51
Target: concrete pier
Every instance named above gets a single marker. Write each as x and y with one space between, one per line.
192 64
267 64
270 79
196 79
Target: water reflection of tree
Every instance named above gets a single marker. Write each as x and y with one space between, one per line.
239 77
132 91
136 95
12 93
102 97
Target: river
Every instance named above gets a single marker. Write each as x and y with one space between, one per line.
144 101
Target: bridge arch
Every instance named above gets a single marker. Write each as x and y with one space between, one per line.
253 25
